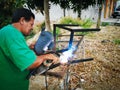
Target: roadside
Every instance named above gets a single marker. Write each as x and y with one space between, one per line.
111 20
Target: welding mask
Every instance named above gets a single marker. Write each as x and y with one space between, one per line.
45 42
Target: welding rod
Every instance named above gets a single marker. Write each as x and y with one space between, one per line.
71 62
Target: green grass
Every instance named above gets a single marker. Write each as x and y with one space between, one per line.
70 20
87 23
76 21
105 24
83 23
116 41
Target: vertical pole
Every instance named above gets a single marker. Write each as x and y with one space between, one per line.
46 81
106 9
71 39
111 7
54 34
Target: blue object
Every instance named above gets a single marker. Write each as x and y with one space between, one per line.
45 41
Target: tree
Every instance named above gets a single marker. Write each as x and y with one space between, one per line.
64 4
7 8
46 12
43 6
75 5
78 5
100 4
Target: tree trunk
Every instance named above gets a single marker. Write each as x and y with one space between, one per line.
79 13
80 10
47 17
99 14
99 18
64 12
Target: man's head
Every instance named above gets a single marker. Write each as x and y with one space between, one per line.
23 19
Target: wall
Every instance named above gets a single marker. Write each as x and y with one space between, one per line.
56 13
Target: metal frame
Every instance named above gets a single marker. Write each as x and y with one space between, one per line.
72 31
70 43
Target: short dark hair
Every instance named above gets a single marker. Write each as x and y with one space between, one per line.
22 12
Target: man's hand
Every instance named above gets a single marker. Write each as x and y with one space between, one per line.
40 59
52 57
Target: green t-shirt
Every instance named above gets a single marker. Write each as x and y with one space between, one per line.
15 58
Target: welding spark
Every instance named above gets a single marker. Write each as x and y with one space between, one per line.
67 55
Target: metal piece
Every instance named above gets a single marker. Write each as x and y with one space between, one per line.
65 27
71 62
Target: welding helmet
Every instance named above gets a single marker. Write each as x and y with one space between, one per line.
45 42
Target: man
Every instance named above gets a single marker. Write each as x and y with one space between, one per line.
16 59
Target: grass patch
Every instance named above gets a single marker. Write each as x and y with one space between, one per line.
70 20
87 23
76 21
105 24
116 41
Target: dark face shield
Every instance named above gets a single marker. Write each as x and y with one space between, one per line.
44 42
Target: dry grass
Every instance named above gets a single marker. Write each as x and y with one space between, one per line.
103 73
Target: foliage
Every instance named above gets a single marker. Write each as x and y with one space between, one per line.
76 5
36 4
76 21
116 41
87 23
7 7
64 4
43 25
105 24
83 23
70 20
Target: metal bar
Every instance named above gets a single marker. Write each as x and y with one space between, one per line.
86 30
80 30
79 41
59 25
66 41
69 35
63 50
80 60
71 62
71 39
66 28
54 35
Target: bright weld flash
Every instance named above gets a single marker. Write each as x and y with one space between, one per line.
67 55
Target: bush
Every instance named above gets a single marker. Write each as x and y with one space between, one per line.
105 24
83 23
87 23
116 41
70 20
76 21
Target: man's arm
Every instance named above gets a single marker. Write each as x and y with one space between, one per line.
40 59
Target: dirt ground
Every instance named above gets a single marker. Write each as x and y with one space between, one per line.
103 73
